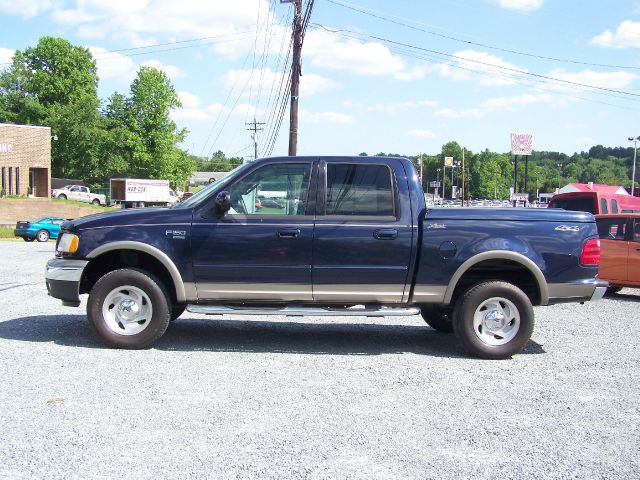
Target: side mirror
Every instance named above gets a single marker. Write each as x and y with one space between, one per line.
223 202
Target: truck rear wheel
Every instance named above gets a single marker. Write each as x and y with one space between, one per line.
437 317
129 308
493 320
95 201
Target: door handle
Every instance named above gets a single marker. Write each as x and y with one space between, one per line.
289 233
386 234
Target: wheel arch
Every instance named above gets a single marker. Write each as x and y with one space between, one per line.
508 266
134 254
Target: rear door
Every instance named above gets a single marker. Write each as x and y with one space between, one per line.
363 232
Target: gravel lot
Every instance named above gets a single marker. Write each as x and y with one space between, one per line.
311 398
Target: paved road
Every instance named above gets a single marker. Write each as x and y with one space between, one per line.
311 398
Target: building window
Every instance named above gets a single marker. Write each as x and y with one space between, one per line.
17 180
4 186
10 180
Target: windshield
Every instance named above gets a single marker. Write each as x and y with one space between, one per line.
204 193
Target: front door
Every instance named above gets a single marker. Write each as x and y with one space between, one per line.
261 249
613 232
363 240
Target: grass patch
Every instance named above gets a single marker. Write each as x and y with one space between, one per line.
6 232
82 204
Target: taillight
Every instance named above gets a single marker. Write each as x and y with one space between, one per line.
590 252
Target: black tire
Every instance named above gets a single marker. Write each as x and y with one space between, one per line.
42 235
612 290
493 320
62 197
438 317
95 201
28 239
150 304
176 311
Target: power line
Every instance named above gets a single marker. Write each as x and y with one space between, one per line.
358 36
385 17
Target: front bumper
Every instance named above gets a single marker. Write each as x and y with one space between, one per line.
63 277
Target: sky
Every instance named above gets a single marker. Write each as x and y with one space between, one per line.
377 76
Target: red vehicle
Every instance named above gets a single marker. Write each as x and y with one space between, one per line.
619 250
597 199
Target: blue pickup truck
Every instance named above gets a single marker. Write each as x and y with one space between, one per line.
326 236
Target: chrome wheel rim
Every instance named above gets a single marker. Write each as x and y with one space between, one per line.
42 237
127 310
496 321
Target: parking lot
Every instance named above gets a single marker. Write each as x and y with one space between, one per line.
270 397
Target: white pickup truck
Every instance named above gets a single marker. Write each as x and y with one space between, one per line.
80 193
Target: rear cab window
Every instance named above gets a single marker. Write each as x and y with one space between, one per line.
364 190
577 204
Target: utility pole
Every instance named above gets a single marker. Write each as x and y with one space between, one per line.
295 78
463 176
254 135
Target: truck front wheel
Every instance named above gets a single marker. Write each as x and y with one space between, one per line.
129 308
95 201
493 320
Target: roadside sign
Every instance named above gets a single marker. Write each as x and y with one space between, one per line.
448 161
434 184
521 143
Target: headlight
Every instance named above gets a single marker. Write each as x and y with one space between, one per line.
68 243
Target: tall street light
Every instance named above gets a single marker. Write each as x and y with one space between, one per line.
635 154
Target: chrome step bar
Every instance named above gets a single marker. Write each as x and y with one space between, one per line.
299 311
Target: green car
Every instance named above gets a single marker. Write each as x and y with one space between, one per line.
41 230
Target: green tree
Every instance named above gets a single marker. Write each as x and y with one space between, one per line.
55 84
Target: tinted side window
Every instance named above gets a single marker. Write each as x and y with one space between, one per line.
603 206
276 189
614 205
612 228
636 230
359 189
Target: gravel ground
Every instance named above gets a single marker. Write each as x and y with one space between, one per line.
311 398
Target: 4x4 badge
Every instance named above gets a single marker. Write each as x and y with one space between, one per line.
568 228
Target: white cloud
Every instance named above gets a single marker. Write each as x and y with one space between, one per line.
392 107
192 109
517 101
139 21
416 73
264 80
6 57
521 5
627 36
457 114
26 8
113 64
326 117
416 132
592 78
482 67
587 141
172 71
363 58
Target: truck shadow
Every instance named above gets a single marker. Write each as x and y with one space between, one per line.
255 337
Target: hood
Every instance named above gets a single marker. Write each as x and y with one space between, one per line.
133 216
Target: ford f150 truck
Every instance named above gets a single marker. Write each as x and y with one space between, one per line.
348 236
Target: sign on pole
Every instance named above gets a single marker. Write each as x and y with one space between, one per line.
448 161
521 143
434 184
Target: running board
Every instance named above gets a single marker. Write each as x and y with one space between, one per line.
305 311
